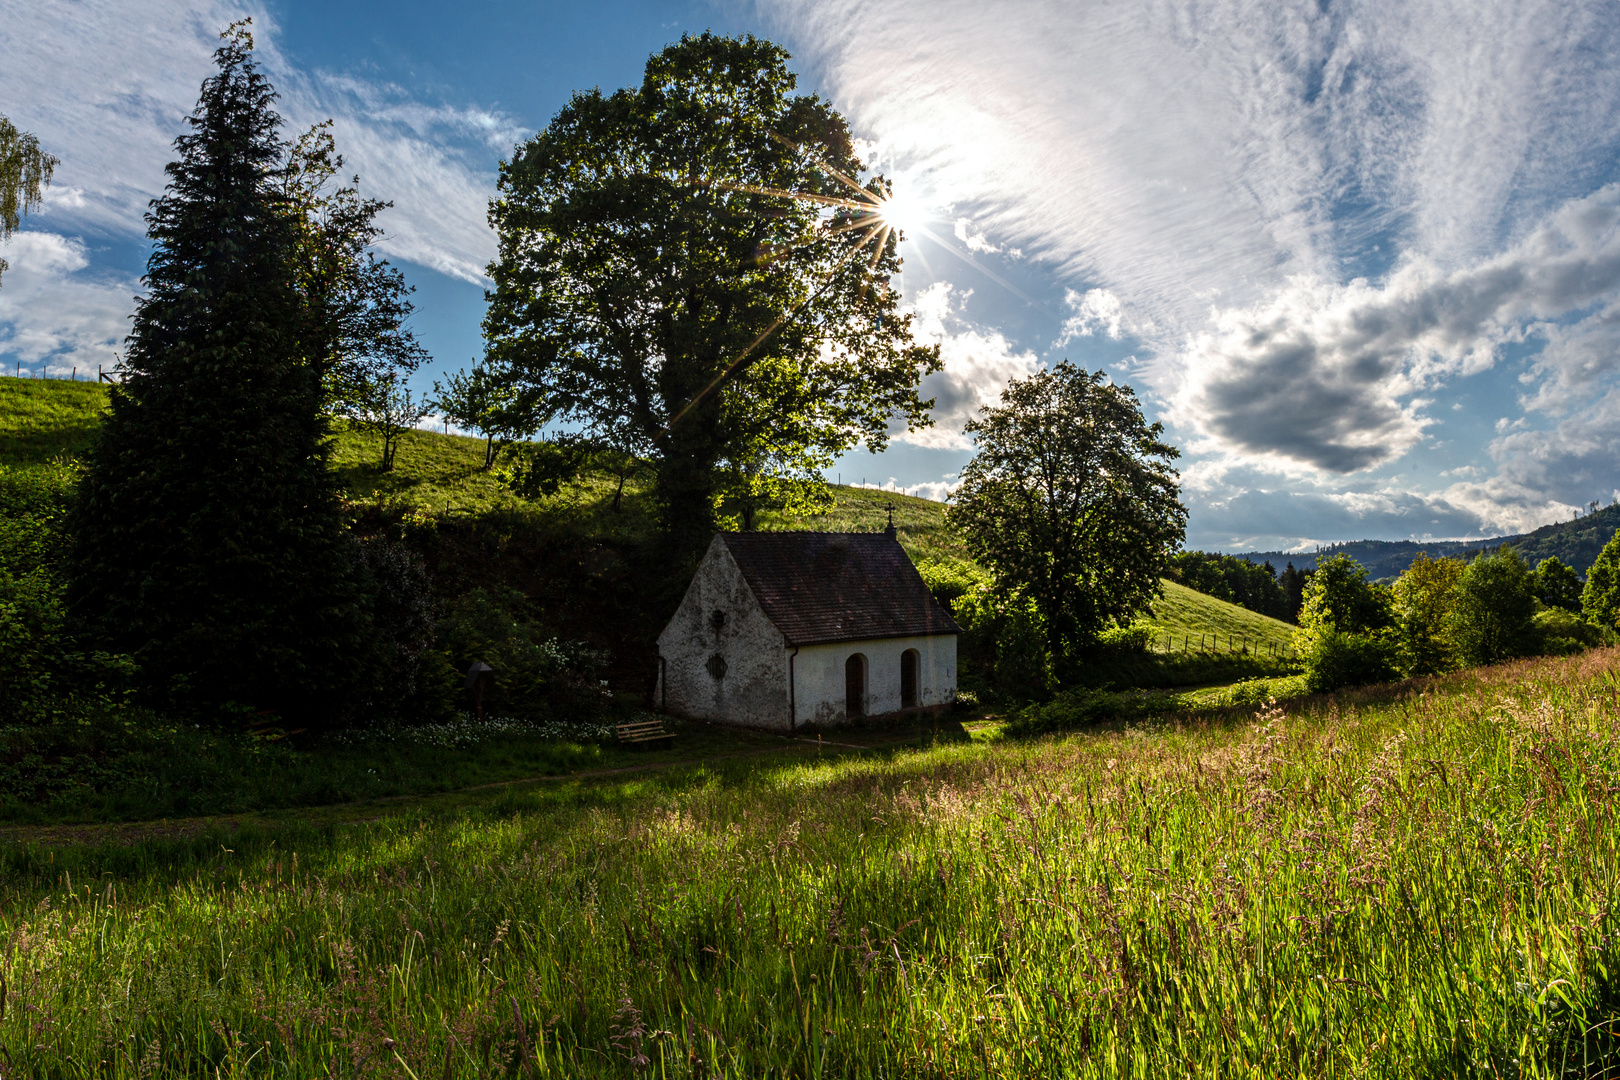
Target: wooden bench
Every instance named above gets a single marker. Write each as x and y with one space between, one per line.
644 735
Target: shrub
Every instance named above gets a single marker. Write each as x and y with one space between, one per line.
1126 640
536 676
1560 632
1492 618
1337 660
1077 707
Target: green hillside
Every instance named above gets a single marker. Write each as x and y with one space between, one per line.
1193 621
41 419
441 474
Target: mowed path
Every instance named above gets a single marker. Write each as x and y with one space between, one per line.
367 810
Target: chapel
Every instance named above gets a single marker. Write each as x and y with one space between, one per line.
783 629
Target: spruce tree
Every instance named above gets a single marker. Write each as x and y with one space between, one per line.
208 534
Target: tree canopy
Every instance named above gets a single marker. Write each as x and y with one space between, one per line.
689 271
1071 501
1600 598
25 173
1493 616
1423 599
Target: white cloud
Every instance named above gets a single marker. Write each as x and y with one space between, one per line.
978 364
971 237
56 314
1325 375
135 74
1096 311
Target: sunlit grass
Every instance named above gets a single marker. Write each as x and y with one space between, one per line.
1407 882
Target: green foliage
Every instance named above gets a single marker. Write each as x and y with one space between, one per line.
1344 635
1600 599
1561 632
656 286
1424 597
1557 585
1233 579
1070 501
1292 583
1492 618
354 306
480 401
536 676
208 537
1339 599
1075 708
1337 659
25 173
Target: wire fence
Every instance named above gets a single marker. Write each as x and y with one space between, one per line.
74 374
1222 645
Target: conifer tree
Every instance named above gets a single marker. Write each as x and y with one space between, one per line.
208 536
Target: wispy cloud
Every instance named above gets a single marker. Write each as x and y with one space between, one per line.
978 364
135 73
1316 219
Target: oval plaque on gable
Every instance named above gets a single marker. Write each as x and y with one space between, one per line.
717 666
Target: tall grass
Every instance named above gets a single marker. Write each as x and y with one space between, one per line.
1420 883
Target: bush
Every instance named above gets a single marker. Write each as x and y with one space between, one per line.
1560 632
1493 616
1077 707
1126 640
1337 660
536 676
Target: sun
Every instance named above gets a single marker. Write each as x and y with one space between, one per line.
903 211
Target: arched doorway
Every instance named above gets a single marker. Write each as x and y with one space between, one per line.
908 679
855 686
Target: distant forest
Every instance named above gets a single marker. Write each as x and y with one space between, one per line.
1576 543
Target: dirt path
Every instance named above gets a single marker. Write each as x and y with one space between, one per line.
359 812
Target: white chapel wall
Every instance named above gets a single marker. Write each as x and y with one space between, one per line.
818 676
753 688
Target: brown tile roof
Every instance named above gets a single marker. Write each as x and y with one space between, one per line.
822 587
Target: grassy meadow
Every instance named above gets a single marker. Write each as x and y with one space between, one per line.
1400 882
1191 621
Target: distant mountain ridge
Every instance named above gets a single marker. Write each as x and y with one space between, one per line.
1576 543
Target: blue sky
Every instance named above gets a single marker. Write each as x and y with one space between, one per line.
1363 259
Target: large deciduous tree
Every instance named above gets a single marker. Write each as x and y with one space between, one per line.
1071 501
687 264
1493 618
25 173
208 535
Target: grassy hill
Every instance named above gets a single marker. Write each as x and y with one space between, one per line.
442 476
1193 621
41 419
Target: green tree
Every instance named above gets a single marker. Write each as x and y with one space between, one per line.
1494 615
1557 585
1339 598
1344 627
25 173
687 263
1600 599
355 306
482 402
208 536
1424 596
1071 501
